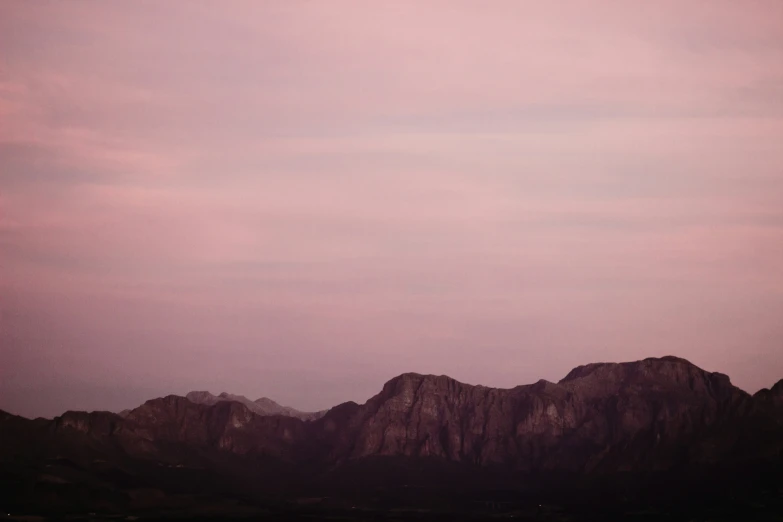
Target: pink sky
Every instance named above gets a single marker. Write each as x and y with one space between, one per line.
302 199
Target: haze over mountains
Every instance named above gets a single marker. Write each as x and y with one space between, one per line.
262 406
603 419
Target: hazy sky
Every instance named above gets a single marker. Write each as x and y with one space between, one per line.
301 199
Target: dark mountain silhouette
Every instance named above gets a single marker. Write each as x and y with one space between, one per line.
646 419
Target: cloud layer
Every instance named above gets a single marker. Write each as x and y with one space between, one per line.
303 199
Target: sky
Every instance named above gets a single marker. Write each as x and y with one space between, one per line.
302 199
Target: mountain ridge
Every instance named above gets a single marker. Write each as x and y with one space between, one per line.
646 416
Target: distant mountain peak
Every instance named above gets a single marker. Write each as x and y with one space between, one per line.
268 402
262 406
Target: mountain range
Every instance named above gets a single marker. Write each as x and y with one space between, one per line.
655 416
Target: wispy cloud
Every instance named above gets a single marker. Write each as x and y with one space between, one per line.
264 193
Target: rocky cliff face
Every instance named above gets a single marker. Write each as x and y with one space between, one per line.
649 414
645 415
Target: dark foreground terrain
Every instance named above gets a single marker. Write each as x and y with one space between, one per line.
654 498
658 439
